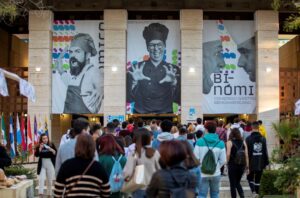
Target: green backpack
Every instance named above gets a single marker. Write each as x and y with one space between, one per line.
209 164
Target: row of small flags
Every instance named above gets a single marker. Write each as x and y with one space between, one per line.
24 140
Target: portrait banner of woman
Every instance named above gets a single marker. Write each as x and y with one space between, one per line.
153 67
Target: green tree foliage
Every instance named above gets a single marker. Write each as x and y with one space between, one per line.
293 21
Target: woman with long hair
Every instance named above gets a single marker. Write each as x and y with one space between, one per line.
145 155
110 151
192 163
82 176
46 152
238 162
175 178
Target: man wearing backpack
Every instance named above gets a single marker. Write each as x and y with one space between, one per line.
258 157
212 156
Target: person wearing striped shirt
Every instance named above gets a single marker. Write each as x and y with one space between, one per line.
82 176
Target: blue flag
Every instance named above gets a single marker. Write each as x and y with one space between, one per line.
19 135
11 137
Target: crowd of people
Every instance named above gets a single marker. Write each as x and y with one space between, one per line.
177 160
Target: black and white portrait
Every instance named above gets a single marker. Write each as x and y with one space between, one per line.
229 71
82 79
153 81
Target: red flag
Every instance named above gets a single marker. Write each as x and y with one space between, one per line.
29 136
35 131
23 134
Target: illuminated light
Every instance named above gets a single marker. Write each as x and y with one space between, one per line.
25 114
114 69
268 69
192 70
37 69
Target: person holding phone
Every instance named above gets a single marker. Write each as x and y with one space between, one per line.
46 152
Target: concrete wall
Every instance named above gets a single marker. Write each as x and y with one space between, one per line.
40 48
267 57
191 26
115 26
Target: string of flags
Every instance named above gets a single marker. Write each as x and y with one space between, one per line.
26 89
25 141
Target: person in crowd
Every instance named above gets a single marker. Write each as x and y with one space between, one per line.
210 141
199 125
175 131
68 135
191 128
258 157
130 125
238 162
116 122
145 155
140 123
109 151
236 124
124 131
222 133
67 150
88 178
154 128
96 131
262 129
165 135
182 134
199 134
193 164
46 152
110 129
247 129
5 160
175 177
128 142
190 137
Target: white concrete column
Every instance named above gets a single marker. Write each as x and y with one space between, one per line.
267 71
40 56
191 26
115 26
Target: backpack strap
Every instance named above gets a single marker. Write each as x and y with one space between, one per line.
120 158
211 147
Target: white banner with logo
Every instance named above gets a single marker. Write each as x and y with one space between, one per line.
229 71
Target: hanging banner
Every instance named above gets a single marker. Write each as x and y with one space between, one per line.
78 64
229 71
153 66
27 90
297 107
3 85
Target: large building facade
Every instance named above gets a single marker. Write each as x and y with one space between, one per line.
204 66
